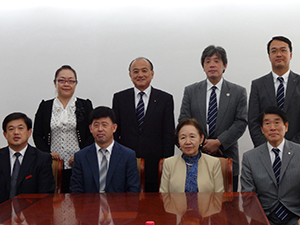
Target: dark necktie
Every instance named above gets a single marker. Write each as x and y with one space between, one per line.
280 93
280 211
140 110
212 112
103 170
14 176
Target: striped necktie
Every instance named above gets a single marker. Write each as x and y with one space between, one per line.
140 110
14 176
103 170
212 112
280 93
280 211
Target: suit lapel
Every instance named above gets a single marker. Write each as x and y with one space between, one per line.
291 87
113 163
266 162
200 95
287 155
27 162
270 89
92 159
130 100
153 100
225 96
5 165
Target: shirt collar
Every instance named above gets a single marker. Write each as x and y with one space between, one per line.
284 76
218 85
12 152
147 91
109 148
280 146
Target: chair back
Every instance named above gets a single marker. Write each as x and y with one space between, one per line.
226 166
57 166
141 168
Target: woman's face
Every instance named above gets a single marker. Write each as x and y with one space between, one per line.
189 140
65 84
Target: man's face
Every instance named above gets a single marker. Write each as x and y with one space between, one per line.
17 134
141 74
103 130
279 55
213 67
274 129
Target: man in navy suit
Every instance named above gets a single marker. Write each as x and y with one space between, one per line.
104 166
148 130
23 168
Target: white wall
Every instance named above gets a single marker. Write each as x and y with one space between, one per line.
99 42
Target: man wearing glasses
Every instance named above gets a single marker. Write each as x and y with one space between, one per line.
281 88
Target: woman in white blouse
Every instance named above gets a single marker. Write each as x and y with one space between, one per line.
61 124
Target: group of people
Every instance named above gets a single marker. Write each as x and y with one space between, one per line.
100 146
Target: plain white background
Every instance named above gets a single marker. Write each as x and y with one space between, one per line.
99 41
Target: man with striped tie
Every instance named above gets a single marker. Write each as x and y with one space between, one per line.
272 170
145 118
281 88
220 107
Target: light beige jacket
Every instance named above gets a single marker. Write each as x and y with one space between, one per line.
209 176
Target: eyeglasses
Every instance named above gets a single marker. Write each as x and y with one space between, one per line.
281 51
62 81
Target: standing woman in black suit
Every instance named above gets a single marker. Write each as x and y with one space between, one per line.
61 124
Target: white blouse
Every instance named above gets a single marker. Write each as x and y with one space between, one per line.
63 130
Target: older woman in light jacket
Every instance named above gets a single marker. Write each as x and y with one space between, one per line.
192 171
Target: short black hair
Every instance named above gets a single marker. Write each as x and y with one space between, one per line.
211 50
280 38
16 116
272 110
188 121
65 67
101 112
151 65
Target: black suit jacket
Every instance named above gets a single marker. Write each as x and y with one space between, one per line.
262 96
156 139
35 174
42 130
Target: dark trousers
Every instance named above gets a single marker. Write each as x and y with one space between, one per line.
66 177
235 182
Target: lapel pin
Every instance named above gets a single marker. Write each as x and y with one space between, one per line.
154 100
289 153
228 94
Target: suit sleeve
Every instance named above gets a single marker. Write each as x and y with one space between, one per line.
168 128
76 184
185 110
116 110
46 182
236 130
218 178
254 110
38 134
132 175
247 181
165 178
89 137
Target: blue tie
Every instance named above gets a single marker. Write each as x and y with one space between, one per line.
280 211
140 114
14 176
212 112
280 93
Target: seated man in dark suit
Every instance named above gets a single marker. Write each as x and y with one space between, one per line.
272 170
23 168
104 166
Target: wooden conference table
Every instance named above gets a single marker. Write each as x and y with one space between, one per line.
134 208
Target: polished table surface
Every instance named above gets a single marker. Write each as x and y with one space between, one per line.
134 208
